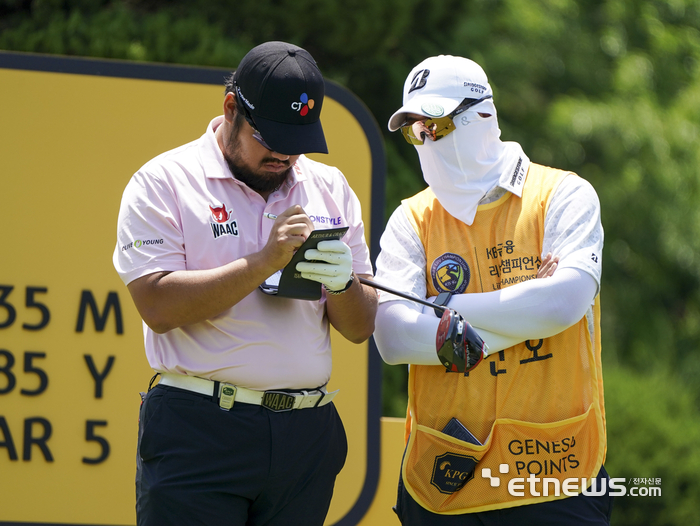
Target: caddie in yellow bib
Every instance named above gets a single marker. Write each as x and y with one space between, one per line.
513 249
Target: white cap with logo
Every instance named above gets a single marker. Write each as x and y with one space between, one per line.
436 86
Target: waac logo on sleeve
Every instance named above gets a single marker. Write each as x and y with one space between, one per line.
223 224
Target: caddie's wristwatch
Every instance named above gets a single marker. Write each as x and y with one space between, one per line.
442 299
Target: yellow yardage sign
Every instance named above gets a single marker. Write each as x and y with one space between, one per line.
71 344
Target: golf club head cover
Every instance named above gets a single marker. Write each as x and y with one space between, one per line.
459 346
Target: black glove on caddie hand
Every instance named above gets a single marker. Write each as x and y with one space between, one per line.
459 346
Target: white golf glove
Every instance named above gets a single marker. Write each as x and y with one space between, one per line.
336 272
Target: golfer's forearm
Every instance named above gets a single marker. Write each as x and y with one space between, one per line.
167 300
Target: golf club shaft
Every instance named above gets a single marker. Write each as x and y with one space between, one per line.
376 285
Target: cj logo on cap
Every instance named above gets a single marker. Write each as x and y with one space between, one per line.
304 105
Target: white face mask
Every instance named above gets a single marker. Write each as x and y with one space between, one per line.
463 166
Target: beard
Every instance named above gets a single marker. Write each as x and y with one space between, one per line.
257 180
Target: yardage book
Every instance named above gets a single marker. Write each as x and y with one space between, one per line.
291 284
456 429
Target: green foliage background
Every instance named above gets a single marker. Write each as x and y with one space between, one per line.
609 89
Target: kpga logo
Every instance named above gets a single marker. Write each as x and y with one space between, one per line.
540 487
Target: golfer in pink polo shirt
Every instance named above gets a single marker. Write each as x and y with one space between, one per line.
240 429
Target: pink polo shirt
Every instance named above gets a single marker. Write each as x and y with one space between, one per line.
183 210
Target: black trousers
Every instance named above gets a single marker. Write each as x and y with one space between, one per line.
581 510
200 465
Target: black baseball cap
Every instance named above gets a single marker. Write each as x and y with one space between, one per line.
282 90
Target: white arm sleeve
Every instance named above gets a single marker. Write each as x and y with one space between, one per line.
405 332
535 309
405 335
402 333
543 307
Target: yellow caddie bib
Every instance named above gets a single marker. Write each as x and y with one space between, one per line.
537 407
